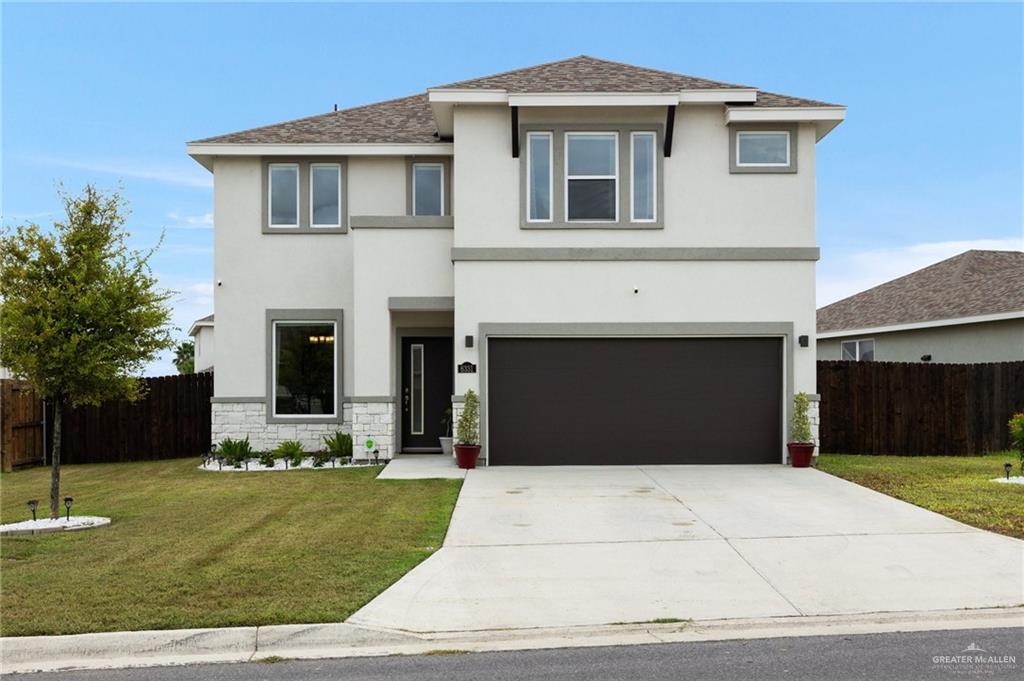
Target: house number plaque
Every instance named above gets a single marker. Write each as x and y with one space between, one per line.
467 368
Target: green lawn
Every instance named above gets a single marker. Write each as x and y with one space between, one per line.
189 548
955 486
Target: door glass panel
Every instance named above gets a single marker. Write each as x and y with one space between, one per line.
416 389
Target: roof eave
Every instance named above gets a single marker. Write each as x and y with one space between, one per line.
924 324
205 152
825 118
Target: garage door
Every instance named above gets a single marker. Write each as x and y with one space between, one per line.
580 401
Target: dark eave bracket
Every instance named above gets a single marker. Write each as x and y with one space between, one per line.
515 131
670 124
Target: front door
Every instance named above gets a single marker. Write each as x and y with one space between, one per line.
427 384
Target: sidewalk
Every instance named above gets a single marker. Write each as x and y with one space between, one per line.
241 644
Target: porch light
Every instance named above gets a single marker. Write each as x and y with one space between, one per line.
33 504
67 504
1006 467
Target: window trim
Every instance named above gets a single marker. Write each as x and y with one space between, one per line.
321 164
427 164
591 133
551 175
305 208
857 342
270 195
789 148
306 316
792 130
632 177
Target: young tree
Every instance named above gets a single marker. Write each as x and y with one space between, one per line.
81 313
185 357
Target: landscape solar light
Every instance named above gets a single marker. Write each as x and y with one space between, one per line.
1007 467
220 463
67 504
333 459
33 504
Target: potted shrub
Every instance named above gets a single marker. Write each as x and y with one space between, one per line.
801 448
446 428
467 440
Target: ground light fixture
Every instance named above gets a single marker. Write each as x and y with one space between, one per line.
33 504
1007 467
67 504
220 463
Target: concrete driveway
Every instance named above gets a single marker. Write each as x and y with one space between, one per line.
566 546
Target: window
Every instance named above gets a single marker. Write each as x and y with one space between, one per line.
592 162
768 148
284 194
416 381
427 189
325 194
643 192
305 368
538 182
858 350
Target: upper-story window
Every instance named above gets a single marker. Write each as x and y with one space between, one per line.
859 350
325 194
762 148
428 189
592 177
645 176
539 150
284 195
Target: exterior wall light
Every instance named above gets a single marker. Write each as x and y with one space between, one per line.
33 504
1006 467
67 504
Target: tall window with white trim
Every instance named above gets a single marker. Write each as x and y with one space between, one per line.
305 368
538 181
428 189
592 177
644 162
325 194
283 196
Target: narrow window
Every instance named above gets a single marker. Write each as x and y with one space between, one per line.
644 176
305 363
284 194
325 194
538 150
592 162
858 350
416 381
427 189
762 149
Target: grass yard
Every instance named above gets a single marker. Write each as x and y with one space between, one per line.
189 548
955 486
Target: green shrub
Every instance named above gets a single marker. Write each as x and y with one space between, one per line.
235 452
1016 425
468 431
338 445
800 426
267 459
291 451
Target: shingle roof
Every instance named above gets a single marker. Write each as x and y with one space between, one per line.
970 284
410 120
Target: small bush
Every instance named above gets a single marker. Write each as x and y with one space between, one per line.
290 450
235 452
267 459
1016 425
339 446
800 426
469 421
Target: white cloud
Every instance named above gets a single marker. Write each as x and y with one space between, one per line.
193 300
178 174
841 275
204 221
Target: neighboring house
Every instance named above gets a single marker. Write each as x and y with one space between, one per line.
620 262
202 341
969 308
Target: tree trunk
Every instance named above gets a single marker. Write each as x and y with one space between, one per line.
55 459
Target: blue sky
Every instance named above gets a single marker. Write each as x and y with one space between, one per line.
928 163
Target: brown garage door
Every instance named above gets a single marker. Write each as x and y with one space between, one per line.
579 401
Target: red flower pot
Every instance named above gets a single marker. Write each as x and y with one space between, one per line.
466 455
800 454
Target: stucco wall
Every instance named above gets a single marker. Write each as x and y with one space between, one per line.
999 341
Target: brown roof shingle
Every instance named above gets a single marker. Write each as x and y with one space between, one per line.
970 284
410 120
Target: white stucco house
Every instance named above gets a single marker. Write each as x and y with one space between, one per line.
962 310
202 333
620 261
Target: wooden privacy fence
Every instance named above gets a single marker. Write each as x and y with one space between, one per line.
171 420
918 409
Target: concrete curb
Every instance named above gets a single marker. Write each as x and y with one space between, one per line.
313 641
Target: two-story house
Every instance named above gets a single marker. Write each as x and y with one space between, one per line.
619 261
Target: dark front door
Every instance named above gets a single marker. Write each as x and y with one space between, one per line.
427 384
634 400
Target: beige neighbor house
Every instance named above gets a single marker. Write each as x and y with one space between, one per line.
619 261
202 343
969 308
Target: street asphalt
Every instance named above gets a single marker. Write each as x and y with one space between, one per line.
989 653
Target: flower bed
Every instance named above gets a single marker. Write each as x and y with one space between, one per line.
1013 480
254 466
78 522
